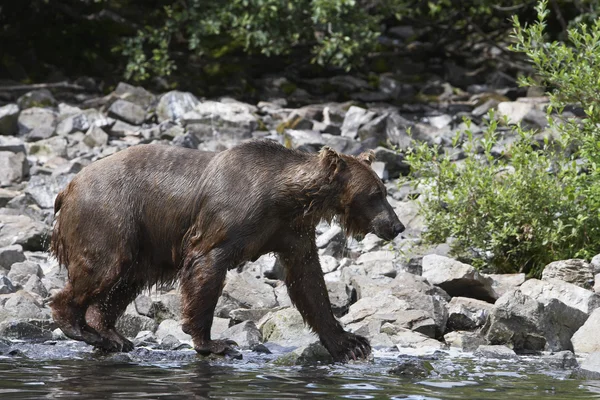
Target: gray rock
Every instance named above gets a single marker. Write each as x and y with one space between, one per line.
223 114
20 272
6 286
10 255
37 98
173 105
246 291
572 295
297 139
575 271
20 229
82 121
374 131
466 341
245 334
394 162
354 119
412 368
131 323
6 196
408 339
503 283
44 188
514 111
440 121
313 353
38 330
339 296
590 367
144 305
496 351
188 141
328 263
22 305
13 167
286 328
34 118
465 314
245 314
121 128
127 111
9 115
334 233
12 144
46 149
561 359
457 279
95 137
586 339
167 306
595 263
173 328
34 285
169 342
135 94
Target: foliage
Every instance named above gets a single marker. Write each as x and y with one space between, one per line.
535 202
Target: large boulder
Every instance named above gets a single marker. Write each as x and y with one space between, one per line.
465 314
286 328
575 271
503 283
173 105
457 278
22 230
586 339
572 295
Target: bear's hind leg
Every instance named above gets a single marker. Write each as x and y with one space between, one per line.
202 280
103 314
308 292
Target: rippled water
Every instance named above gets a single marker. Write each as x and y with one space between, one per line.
73 371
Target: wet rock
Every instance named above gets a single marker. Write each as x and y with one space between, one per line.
22 230
35 286
575 271
6 286
9 115
497 352
38 330
37 98
354 119
10 255
590 367
127 111
586 339
572 295
409 339
286 328
173 105
466 341
144 305
562 359
467 314
13 167
246 334
131 323
146 338
412 368
245 291
173 328
95 137
457 279
503 283
35 118
169 342
314 353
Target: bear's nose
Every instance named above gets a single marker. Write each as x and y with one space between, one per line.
398 228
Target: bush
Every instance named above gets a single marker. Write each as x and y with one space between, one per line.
535 202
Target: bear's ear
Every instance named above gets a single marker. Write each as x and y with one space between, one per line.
367 157
331 160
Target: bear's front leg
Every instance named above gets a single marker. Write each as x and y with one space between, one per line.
202 281
306 287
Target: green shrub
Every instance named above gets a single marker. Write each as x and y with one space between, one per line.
536 202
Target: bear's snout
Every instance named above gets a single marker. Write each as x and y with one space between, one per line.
398 228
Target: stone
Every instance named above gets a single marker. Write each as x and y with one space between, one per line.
561 359
131 323
286 328
173 328
334 233
503 283
340 297
373 131
6 286
34 285
354 119
296 139
22 305
12 144
394 162
6 196
223 114
328 263
173 105
514 111
313 353
34 118
465 341
412 368
127 111
95 137
575 271
37 98
135 94
457 279
144 305
590 367
22 230
13 167
122 128
572 295
44 188
10 255
82 121
409 339
465 314
245 314
26 330
9 115
496 351
46 149
20 272
595 263
245 334
586 339
248 292
440 121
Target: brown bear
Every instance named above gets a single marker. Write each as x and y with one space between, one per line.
154 213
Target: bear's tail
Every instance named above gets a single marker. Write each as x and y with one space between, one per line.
57 247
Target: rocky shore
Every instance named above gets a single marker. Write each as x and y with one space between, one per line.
401 295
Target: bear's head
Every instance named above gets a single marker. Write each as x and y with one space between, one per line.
362 205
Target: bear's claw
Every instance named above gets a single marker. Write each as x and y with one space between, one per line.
348 347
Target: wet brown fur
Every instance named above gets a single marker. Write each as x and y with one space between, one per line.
154 213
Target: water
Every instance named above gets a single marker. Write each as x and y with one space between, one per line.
74 371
